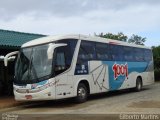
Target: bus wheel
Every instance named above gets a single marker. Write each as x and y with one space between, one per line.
138 85
82 93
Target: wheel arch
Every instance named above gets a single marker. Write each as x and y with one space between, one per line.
140 77
85 82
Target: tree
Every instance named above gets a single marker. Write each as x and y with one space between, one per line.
137 39
156 57
120 36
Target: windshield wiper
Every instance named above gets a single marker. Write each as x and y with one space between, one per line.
32 70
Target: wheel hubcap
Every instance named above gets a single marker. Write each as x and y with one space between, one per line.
82 92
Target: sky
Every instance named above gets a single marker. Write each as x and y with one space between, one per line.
52 17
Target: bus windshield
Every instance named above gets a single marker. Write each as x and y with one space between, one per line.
33 65
37 63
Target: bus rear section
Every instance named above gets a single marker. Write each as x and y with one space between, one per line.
108 66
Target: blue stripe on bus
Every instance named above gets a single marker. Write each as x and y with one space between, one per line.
132 67
138 67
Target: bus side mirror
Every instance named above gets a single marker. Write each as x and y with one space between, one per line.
51 48
9 57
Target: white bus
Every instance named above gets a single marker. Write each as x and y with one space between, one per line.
65 66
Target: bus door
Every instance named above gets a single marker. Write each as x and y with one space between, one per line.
64 81
64 86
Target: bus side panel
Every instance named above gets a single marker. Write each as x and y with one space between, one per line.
119 75
99 76
123 75
149 73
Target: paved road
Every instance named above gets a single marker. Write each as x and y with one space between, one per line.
119 102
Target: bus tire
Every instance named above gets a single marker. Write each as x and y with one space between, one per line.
82 93
138 87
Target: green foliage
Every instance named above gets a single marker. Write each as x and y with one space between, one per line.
156 57
157 74
120 36
137 39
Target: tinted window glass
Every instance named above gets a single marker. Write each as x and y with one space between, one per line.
116 52
60 61
128 53
147 55
86 53
64 55
102 51
139 54
69 50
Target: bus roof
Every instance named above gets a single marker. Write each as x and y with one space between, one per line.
49 39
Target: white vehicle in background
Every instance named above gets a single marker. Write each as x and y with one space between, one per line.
65 66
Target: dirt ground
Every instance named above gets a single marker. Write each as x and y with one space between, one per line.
115 105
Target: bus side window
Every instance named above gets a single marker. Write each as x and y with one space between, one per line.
64 55
60 61
102 51
139 54
116 52
147 55
128 56
86 53
81 57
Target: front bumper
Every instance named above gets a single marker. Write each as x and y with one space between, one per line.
46 94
